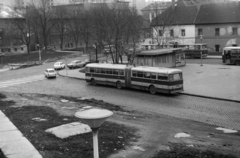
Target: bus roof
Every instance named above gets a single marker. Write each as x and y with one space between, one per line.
231 48
137 68
191 44
156 69
104 65
159 51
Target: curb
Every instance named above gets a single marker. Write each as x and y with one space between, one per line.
70 76
216 98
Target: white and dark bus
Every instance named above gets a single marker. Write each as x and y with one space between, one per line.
153 79
231 55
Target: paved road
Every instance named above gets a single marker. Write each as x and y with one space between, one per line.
215 112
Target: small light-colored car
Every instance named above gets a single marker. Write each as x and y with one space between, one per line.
50 73
59 66
75 64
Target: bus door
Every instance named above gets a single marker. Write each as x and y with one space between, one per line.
128 71
227 54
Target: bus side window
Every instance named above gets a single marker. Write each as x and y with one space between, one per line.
97 70
134 73
162 77
87 69
121 72
115 72
170 77
139 74
91 70
147 74
103 71
153 76
109 71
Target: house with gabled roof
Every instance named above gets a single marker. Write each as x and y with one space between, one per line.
189 21
219 25
176 24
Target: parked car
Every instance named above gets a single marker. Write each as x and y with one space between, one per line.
87 61
75 64
59 66
50 73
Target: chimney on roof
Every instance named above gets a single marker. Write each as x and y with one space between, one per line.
173 4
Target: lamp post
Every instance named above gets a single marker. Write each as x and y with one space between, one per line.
96 51
40 60
201 37
94 118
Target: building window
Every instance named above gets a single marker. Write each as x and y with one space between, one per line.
217 48
183 32
171 33
200 32
217 32
160 33
234 31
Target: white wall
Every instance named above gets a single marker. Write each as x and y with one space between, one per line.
166 38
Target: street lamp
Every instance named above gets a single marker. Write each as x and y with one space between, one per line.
38 46
96 51
1 56
201 37
94 118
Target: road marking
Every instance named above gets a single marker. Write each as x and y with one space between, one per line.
19 81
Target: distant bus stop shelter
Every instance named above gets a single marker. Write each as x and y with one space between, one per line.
169 57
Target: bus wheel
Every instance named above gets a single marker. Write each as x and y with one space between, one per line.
119 85
93 82
152 89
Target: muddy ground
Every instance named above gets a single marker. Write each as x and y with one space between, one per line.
156 132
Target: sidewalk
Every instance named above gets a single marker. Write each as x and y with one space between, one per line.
211 81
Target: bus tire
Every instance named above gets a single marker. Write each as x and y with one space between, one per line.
152 89
119 85
93 82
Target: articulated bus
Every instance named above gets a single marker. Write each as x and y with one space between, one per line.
194 50
231 55
153 79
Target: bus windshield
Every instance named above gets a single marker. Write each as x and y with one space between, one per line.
174 77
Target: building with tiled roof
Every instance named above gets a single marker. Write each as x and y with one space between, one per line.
190 21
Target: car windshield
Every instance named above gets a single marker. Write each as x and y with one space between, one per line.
50 70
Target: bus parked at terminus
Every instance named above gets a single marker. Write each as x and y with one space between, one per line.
153 79
194 50
231 55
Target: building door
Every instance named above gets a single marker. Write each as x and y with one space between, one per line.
217 48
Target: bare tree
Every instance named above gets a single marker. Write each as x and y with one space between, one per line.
23 28
61 21
111 25
133 32
43 15
73 25
86 27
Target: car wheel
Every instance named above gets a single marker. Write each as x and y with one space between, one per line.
152 89
119 85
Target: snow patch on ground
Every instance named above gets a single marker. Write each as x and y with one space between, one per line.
225 130
182 135
70 129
